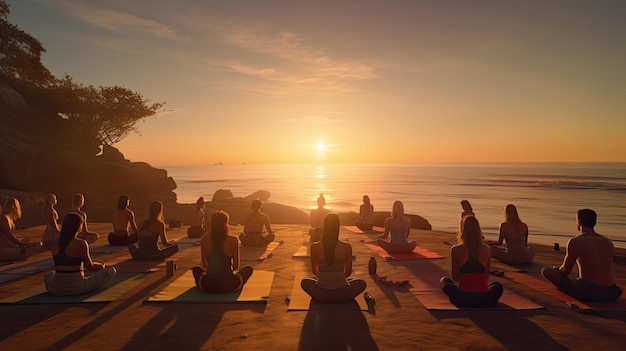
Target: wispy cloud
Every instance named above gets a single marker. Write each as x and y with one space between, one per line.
119 22
290 47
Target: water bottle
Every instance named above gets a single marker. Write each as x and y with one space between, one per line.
372 265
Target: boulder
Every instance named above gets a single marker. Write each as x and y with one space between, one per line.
222 194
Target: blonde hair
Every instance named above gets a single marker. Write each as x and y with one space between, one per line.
397 210
12 209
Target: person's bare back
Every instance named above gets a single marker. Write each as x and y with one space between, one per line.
593 254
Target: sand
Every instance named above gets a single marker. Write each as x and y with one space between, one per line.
397 321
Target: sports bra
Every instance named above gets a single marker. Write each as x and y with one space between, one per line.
62 259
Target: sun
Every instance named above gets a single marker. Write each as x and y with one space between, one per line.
320 147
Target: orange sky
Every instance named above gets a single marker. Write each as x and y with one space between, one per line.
375 81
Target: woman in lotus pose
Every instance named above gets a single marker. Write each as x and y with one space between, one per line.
123 219
78 201
399 226
196 230
70 255
51 233
366 215
147 247
331 262
515 233
11 247
471 262
317 218
220 259
253 234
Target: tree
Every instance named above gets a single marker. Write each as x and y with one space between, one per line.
103 115
99 115
20 53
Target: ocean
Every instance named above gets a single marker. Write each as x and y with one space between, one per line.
547 195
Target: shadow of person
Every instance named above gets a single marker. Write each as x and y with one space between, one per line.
336 330
176 326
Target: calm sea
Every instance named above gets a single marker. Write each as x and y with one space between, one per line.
546 195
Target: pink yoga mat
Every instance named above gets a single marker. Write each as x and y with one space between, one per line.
425 287
419 253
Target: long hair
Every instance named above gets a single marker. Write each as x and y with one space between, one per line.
510 214
219 227
330 236
398 209
71 225
471 236
77 200
155 214
122 202
466 206
50 199
199 204
366 199
12 209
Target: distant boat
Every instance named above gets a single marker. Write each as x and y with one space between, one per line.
218 164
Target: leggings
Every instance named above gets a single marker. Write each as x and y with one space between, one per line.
75 283
462 298
343 294
122 239
391 248
18 253
584 290
154 256
195 231
228 284
256 239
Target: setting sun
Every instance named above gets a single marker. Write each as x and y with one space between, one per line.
321 147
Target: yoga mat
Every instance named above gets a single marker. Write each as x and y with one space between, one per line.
253 253
301 301
303 251
418 253
108 248
121 284
528 267
425 287
549 289
184 289
12 273
503 267
355 229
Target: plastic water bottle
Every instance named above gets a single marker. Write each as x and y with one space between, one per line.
371 265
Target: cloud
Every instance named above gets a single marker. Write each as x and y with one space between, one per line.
120 22
290 47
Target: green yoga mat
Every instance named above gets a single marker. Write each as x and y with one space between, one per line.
122 283
184 289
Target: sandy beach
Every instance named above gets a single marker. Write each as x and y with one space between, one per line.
397 320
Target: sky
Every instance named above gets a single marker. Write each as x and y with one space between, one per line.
397 81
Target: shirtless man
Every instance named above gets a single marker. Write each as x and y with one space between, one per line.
594 255
123 218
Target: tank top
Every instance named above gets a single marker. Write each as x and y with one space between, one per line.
62 259
147 244
472 278
331 276
218 263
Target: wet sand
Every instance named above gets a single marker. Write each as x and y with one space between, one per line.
397 321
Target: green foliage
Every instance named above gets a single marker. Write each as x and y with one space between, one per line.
100 115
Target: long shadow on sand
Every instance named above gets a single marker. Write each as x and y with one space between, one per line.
336 330
184 326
